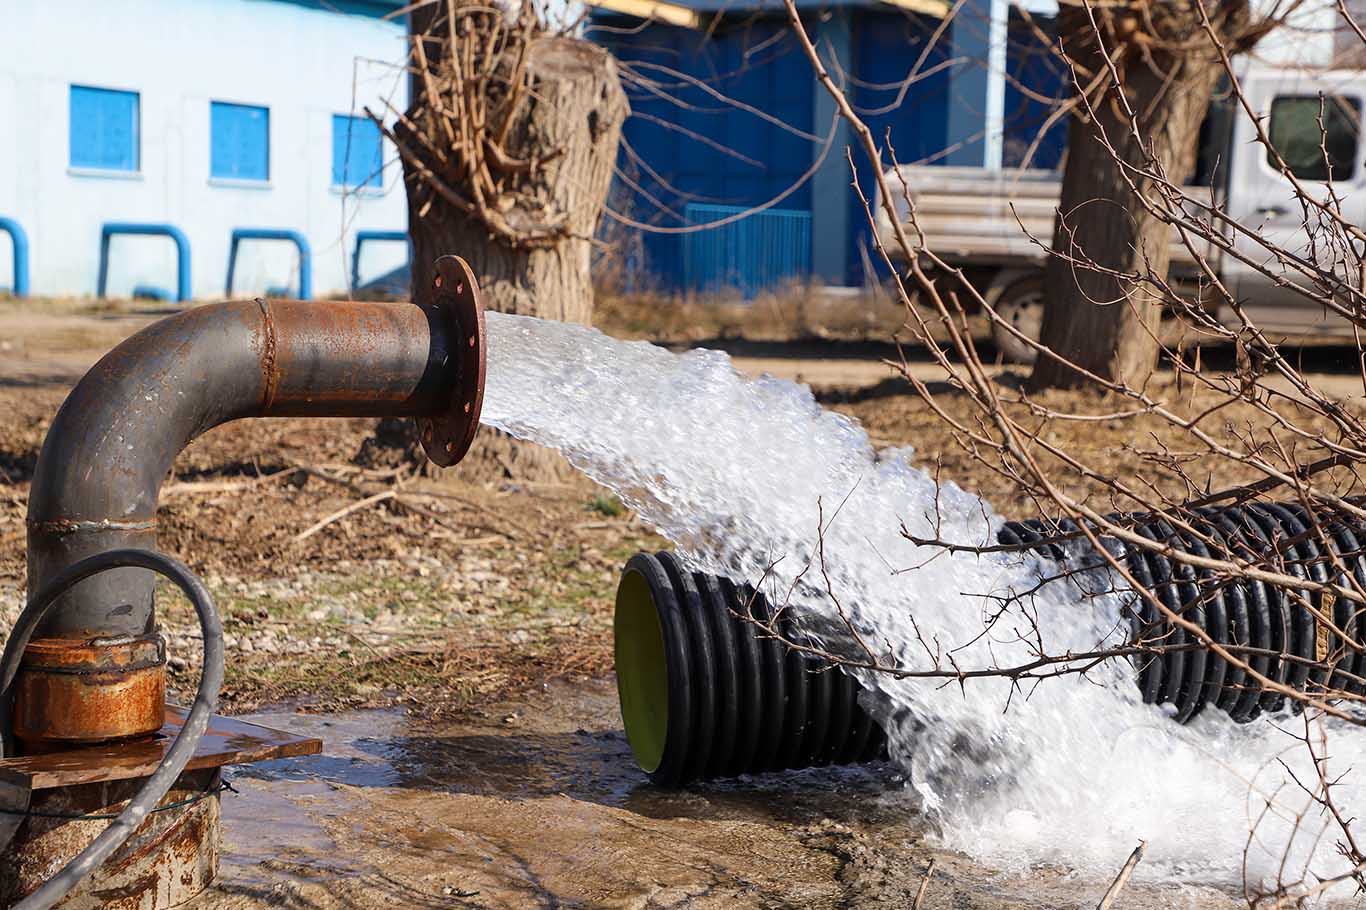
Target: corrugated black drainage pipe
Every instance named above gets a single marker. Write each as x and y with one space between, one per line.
704 695
1283 641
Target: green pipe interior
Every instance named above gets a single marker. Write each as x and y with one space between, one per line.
642 676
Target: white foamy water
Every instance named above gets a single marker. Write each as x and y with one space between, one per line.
1074 771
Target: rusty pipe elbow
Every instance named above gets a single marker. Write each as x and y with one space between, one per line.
118 433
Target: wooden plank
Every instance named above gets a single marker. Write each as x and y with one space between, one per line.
936 8
226 742
670 13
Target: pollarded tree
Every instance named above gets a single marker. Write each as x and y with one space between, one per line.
508 148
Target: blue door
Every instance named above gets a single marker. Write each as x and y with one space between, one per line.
695 146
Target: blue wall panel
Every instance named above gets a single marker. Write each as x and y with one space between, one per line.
901 90
104 129
705 151
702 150
239 143
756 253
1033 71
895 89
356 152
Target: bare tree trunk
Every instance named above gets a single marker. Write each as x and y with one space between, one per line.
571 121
508 150
1093 316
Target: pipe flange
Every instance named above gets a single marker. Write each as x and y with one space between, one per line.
447 438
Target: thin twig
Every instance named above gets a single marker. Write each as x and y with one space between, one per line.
1122 878
924 886
342 513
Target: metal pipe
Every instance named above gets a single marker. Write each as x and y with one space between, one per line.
182 750
182 251
362 237
295 237
19 246
115 438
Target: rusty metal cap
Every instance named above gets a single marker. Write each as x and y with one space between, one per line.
448 437
72 692
94 655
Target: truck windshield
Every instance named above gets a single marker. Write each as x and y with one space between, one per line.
1315 136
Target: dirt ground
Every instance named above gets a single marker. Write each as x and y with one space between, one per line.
452 645
535 803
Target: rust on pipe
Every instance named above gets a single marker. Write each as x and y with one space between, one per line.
75 691
171 857
115 438
447 436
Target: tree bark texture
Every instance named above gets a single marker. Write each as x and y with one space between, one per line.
1094 317
568 127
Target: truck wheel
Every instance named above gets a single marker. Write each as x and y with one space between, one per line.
1019 303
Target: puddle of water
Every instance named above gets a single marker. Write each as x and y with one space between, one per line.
549 810
389 789
565 742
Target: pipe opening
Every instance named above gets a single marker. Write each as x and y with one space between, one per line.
642 677
706 694
95 672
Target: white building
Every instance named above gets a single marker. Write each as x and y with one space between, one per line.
205 115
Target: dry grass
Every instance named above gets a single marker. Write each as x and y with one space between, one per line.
794 313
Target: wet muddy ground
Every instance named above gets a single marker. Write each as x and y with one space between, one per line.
536 803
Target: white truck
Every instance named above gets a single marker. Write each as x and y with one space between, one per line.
982 221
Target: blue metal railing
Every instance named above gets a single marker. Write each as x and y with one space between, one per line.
182 245
300 243
19 243
362 237
753 254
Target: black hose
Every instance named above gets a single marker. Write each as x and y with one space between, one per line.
706 693
1284 640
181 751
1276 636
1351 618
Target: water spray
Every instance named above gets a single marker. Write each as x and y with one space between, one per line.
706 693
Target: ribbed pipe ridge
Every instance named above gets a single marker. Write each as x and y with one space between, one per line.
1242 613
726 700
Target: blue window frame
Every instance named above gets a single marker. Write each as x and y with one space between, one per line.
356 153
104 129
239 141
